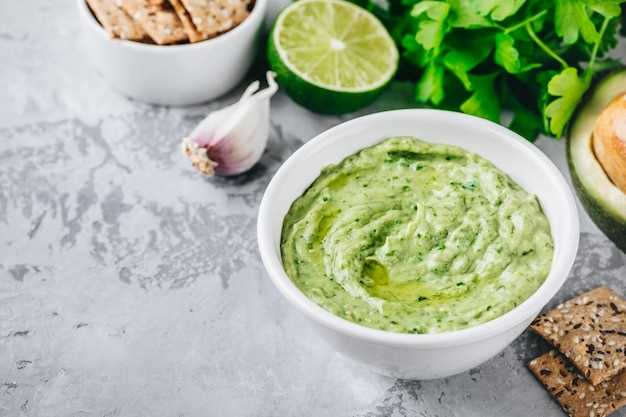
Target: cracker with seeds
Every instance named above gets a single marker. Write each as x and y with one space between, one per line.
212 17
590 330
185 18
577 396
157 18
116 21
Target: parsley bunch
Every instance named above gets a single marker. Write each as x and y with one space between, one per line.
535 58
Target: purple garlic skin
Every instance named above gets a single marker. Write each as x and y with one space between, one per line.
231 140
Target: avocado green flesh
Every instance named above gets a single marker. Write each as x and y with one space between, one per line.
603 201
415 237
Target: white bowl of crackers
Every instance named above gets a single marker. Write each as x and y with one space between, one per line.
172 52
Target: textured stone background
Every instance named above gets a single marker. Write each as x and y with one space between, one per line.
130 286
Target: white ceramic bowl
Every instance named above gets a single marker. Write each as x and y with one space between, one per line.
424 356
174 74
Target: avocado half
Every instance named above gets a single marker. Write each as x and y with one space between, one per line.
603 201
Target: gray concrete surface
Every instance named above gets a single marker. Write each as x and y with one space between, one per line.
130 286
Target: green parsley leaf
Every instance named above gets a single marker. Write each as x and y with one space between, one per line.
506 54
468 52
414 52
609 37
508 57
525 122
607 8
571 19
464 15
432 26
430 85
498 9
543 98
484 101
569 88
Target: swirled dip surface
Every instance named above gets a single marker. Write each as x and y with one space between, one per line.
416 237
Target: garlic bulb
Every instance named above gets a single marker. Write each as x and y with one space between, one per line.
231 140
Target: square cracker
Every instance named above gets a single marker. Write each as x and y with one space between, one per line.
157 18
590 330
578 397
185 18
212 17
115 21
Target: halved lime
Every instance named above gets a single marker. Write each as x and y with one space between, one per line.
331 56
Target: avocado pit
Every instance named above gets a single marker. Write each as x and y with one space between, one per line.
609 141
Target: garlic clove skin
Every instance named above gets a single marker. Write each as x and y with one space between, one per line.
231 140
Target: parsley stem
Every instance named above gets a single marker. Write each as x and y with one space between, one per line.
545 47
524 22
594 52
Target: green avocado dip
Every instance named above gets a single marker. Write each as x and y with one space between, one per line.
415 237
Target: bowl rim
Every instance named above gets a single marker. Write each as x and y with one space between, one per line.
523 312
259 8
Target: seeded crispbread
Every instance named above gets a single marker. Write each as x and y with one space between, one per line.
188 26
577 396
157 18
212 17
590 330
116 21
